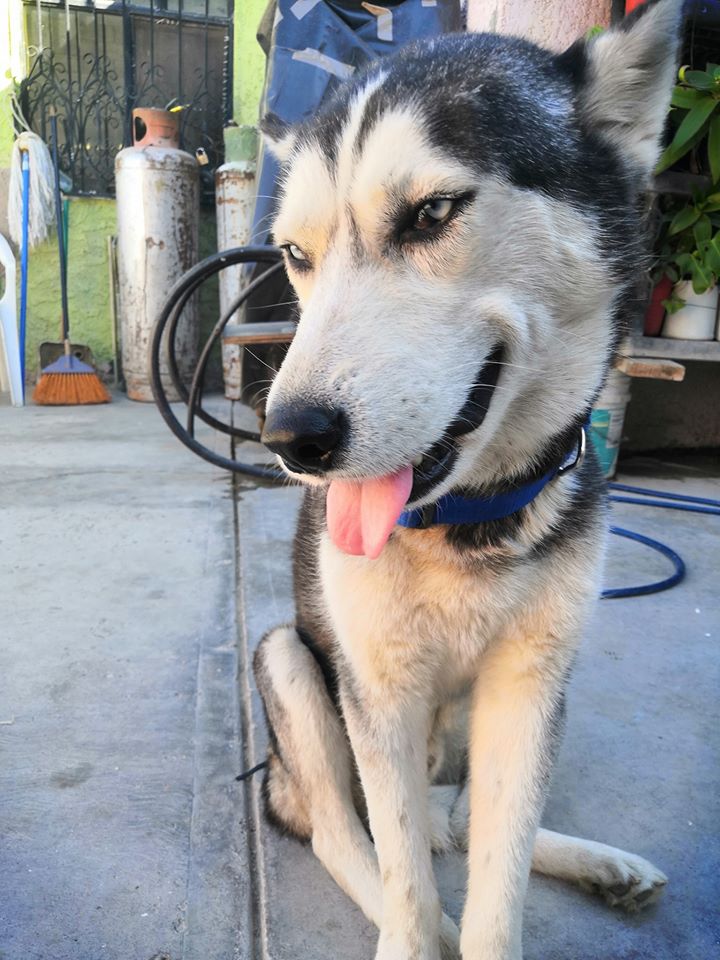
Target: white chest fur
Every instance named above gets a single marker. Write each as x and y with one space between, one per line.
421 611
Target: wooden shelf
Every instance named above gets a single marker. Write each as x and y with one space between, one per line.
274 331
671 349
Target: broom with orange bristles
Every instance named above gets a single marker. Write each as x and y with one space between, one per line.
68 381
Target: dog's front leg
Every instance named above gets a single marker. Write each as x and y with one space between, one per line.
514 721
389 734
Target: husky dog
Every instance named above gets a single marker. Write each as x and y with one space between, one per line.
461 227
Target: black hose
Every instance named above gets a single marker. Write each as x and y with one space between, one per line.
169 318
195 396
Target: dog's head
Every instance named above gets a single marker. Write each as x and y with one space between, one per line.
460 228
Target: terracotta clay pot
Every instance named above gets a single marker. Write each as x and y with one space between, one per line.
656 311
155 128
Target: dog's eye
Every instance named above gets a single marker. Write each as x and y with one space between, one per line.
433 212
295 253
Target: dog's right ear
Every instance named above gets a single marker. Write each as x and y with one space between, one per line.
625 78
279 136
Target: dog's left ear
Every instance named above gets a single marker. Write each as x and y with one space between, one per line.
625 77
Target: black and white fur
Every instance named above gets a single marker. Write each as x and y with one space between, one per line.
424 690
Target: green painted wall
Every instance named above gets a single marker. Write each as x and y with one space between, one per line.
90 222
248 77
249 62
10 71
7 134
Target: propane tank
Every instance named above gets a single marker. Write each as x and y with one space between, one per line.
158 209
235 201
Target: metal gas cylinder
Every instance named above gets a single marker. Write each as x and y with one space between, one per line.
158 201
235 200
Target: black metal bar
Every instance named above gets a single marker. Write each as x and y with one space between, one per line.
228 63
79 139
180 55
206 70
104 116
68 118
128 71
95 68
152 38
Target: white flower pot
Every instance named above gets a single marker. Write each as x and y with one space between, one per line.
696 320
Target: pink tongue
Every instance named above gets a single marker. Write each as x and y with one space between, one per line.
360 516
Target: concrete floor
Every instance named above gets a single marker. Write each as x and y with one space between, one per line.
123 834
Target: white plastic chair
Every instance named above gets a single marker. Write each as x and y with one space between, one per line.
10 370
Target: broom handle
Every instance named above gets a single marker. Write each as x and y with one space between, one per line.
60 230
25 169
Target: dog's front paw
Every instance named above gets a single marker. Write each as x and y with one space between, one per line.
627 881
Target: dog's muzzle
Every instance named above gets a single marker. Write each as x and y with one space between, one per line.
310 439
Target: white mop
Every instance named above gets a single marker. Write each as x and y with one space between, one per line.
42 209
30 153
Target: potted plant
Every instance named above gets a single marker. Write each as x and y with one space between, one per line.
686 266
685 260
690 258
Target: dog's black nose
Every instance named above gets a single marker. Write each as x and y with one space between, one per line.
305 437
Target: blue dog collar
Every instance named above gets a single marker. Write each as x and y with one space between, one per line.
453 508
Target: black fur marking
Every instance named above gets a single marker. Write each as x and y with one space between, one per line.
325 131
311 619
481 536
371 114
274 127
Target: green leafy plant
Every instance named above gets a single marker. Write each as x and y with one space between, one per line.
696 104
689 245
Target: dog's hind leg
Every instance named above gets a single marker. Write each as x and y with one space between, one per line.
310 780
622 879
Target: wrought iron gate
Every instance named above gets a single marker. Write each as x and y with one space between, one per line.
92 61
